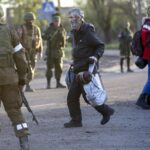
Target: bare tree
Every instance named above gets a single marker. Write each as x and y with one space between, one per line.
102 14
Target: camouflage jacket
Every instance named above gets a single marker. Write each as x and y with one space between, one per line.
31 38
56 40
13 64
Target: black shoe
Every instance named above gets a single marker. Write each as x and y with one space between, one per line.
59 85
29 89
72 124
24 143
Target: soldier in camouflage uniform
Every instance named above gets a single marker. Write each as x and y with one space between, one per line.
31 40
13 69
125 38
55 35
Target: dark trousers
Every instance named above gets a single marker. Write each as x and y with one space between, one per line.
73 100
122 62
74 93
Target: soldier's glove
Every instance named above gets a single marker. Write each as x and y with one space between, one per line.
92 60
22 82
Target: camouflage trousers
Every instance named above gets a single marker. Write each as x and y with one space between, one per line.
32 59
55 63
11 99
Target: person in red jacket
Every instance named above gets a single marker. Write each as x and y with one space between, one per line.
144 98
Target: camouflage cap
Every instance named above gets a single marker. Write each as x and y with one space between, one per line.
29 16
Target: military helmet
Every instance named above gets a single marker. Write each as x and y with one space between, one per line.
29 16
56 18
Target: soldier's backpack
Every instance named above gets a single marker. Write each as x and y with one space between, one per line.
136 44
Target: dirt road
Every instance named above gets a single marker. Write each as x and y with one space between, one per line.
129 128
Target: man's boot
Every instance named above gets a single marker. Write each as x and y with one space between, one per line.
106 112
48 83
28 88
24 143
144 101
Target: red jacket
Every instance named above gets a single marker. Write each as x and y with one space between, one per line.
146 38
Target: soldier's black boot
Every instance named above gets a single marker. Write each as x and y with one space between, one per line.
24 143
144 101
48 83
59 85
106 112
72 124
28 88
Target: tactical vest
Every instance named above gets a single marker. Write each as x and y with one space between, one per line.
30 38
6 57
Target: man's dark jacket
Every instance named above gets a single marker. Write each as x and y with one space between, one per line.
85 44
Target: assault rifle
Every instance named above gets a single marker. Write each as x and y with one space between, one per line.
25 102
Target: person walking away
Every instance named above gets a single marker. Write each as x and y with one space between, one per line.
12 61
125 38
144 98
55 35
86 47
30 36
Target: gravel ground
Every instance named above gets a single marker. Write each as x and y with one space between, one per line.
128 128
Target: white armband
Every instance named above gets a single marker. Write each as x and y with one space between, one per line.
21 126
18 48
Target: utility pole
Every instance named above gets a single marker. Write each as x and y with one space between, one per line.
139 14
59 5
